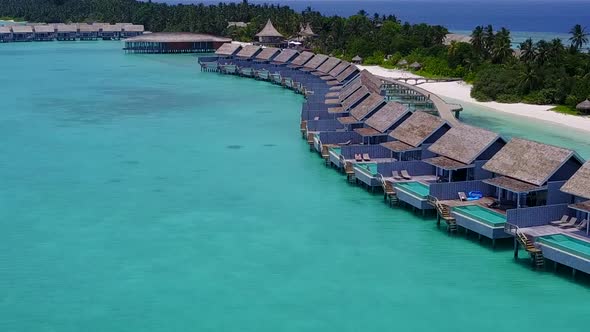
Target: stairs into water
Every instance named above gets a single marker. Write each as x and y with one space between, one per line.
536 254
443 212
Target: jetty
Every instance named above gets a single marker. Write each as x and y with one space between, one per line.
395 137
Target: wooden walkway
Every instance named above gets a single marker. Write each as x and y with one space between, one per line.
422 80
449 112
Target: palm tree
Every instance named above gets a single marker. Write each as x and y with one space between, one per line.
556 51
477 39
543 52
579 37
489 38
528 79
501 49
528 52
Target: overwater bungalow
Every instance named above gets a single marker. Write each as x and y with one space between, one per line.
409 142
110 31
5 34
66 32
248 52
286 56
362 111
132 30
269 36
327 66
23 33
44 32
88 31
460 156
228 50
525 183
174 42
558 231
267 54
301 59
334 72
380 121
261 62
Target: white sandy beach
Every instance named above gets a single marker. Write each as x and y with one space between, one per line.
460 91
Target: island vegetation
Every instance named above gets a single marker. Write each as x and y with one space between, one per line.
542 72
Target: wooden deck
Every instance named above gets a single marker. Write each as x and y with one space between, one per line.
545 230
483 202
426 179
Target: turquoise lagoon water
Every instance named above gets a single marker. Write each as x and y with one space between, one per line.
133 199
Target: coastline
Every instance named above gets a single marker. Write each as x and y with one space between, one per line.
460 91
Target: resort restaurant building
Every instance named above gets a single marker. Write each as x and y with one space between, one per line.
162 42
269 36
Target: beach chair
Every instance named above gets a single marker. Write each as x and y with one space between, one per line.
405 175
395 175
569 224
563 220
358 157
366 157
345 143
316 118
582 225
462 196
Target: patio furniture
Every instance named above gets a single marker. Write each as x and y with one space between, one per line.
405 175
563 220
395 175
569 224
462 196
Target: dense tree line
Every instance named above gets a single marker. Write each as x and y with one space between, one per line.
544 72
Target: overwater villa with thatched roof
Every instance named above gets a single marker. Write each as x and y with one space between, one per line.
66 32
228 50
286 56
44 32
269 36
88 31
267 54
5 34
22 33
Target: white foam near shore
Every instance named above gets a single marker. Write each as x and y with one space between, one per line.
461 91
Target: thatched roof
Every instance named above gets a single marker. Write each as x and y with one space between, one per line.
177 37
579 183
529 161
44 29
368 105
228 49
285 56
584 106
398 146
464 143
307 31
513 185
350 101
357 58
367 131
248 51
327 66
112 28
339 68
267 53
349 89
371 81
402 62
346 120
417 128
582 206
66 28
446 163
302 58
387 116
316 61
4 29
83 27
346 73
269 31
134 28
22 29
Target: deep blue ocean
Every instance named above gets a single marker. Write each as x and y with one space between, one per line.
525 15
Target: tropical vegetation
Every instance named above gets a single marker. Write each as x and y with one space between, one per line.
556 71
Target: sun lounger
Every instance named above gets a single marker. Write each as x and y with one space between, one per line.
405 175
345 143
562 221
395 175
316 118
582 225
569 224
462 196
366 157
358 157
